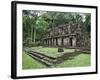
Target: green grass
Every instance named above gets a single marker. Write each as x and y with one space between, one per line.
29 63
78 61
53 52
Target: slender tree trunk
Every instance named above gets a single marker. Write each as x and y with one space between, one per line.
34 36
31 33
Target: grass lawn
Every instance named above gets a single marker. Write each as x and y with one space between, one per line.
78 61
29 63
53 52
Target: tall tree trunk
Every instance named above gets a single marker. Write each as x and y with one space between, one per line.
34 35
31 33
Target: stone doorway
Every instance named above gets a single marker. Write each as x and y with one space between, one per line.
72 42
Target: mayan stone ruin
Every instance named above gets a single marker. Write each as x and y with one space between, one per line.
68 35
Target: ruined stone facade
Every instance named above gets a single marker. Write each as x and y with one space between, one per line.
67 35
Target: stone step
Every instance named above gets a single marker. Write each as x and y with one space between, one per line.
41 54
41 60
43 57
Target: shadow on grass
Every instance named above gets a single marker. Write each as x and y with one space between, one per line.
67 56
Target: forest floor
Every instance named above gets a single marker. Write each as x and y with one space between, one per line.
79 60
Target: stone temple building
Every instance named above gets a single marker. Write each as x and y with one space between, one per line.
68 35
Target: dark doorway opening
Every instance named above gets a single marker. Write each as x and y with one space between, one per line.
71 41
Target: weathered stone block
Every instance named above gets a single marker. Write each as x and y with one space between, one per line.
60 50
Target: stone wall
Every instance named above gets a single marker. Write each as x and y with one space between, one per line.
67 35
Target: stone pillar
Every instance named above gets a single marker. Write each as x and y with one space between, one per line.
51 42
74 42
59 41
66 41
47 42
43 42
56 41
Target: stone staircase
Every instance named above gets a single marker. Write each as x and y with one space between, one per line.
44 59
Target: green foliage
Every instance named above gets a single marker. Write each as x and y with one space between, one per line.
55 18
35 23
41 25
87 23
28 43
